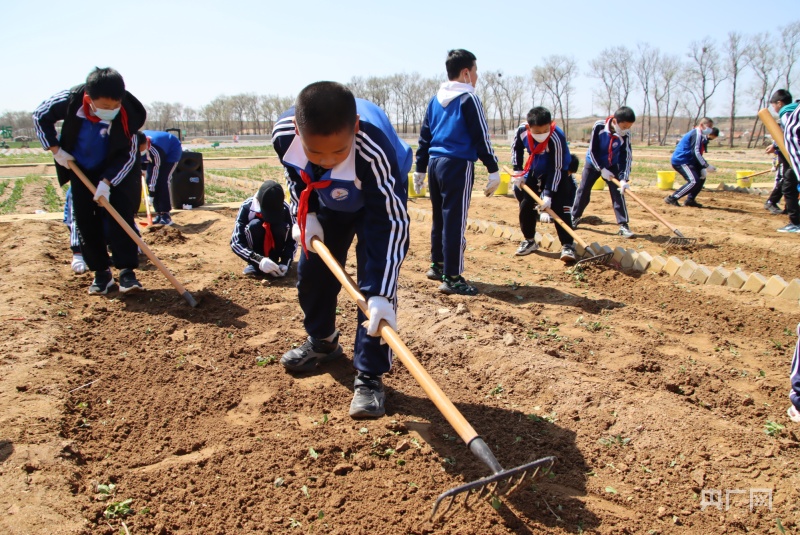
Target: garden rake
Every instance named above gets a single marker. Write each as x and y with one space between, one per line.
501 482
135 237
589 256
680 240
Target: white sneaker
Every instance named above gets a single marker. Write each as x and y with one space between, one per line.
78 265
794 414
526 247
568 254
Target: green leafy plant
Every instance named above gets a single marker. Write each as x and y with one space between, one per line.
772 429
614 440
119 509
313 453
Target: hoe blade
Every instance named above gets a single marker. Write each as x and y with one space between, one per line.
500 484
594 260
681 242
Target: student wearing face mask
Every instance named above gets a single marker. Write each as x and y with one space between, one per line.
163 153
609 155
546 173
688 160
454 134
101 120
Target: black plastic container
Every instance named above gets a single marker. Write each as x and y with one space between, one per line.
187 189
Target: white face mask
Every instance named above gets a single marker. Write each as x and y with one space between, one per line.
706 131
106 115
540 138
621 132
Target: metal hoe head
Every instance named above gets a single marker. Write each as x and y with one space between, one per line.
590 259
681 240
501 483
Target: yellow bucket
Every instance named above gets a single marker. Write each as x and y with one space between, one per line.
666 179
741 180
142 207
599 184
411 192
505 180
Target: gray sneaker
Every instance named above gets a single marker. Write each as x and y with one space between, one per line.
568 254
790 228
368 397
435 272
625 232
306 357
526 248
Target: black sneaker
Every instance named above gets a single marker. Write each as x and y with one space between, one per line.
435 272
457 285
669 199
368 397
102 283
772 208
306 357
575 222
692 203
128 282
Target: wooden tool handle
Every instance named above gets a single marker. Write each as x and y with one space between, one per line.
775 131
135 237
439 398
147 202
644 204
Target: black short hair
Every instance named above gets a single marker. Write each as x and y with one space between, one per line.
105 83
539 116
141 139
625 115
782 96
325 108
714 131
574 163
458 60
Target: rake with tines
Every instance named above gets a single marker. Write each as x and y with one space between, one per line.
501 482
680 240
589 256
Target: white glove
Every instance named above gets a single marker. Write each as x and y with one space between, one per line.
547 202
419 182
493 184
313 228
283 270
703 173
623 185
62 158
711 169
269 267
103 190
544 217
380 308
518 181
606 174
78 264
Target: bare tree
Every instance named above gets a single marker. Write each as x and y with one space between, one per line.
766 65
555 77
613 68
704 74
600 68
644 66
666 92
790 38
736 59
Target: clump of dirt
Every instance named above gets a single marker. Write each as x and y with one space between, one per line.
164 235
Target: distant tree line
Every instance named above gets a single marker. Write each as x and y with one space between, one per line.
661 88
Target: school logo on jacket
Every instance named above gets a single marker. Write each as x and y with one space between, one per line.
339 194
615 144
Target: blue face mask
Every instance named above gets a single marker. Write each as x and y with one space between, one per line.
106 115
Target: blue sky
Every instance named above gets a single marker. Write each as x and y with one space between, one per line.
190 52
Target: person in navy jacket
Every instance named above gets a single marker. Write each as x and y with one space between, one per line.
347 172
546 173
609 155
454 134
99 134
262 234
688 160
164 152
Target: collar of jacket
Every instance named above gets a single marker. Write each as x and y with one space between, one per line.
296 157
449 91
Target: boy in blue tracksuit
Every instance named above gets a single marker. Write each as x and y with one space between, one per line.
609 155
688 160
262 235
546 173
794 378
99 133
78 263
164 152
789 117
347 172
454 134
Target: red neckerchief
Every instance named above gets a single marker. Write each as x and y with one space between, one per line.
534 151
92 118
302 207
611 141
269 241
702 145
